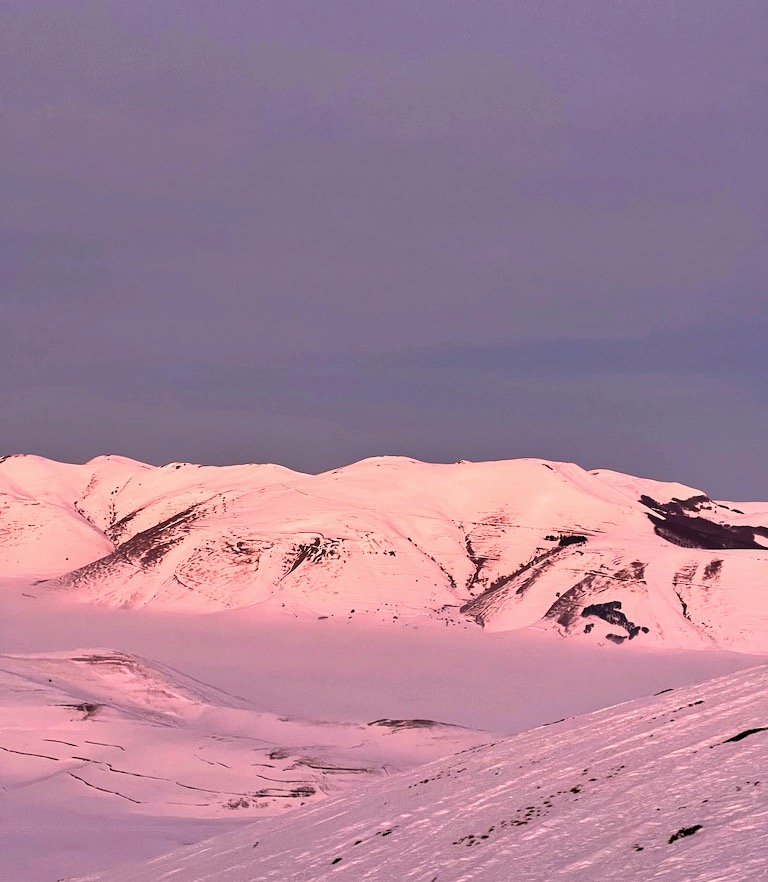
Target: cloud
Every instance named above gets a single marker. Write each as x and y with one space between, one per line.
731 348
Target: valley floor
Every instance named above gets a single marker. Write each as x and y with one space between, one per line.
338 672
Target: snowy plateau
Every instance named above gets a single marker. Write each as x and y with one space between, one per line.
390 643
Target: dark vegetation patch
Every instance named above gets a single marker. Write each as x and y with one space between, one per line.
635 572
451 773
448 576
240 547
150 546
683 832
571 540
611 612
316 551
478 562
683 578
144 550
489 532
678 523
528 814
712 569
683 606
682 581
539 566
693 505
567 608
677 710
520 580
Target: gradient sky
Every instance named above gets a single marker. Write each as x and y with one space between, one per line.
309 232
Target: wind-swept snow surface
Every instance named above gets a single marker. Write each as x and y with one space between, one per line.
594 555
671 787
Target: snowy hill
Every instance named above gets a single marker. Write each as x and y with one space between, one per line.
105 741
184 748
593 555
670 787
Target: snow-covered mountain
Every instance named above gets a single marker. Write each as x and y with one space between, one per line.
670 787
595 555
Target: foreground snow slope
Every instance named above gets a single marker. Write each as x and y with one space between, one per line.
594 555
670 787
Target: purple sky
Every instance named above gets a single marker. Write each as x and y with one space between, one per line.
311 232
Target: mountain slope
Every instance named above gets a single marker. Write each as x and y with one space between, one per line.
594 555
670 787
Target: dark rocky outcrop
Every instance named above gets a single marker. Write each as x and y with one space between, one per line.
745 734
683 832
396 725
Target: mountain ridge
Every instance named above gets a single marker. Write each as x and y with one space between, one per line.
592 555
